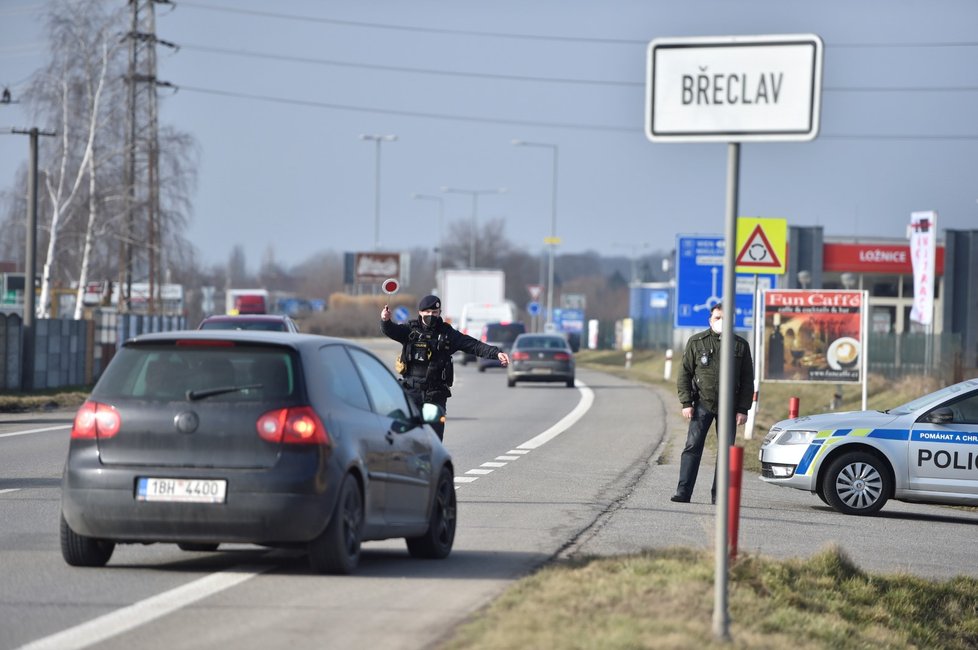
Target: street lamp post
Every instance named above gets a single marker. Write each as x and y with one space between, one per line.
441 221
475 214
377 139
552 240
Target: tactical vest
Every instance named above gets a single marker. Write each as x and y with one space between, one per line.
427 356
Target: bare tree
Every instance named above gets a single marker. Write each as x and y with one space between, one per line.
491 244
70 90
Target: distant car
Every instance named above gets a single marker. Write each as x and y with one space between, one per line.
541 357
284 440
262 322
502 336
925 451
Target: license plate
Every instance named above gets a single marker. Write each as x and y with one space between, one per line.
182 490
541 371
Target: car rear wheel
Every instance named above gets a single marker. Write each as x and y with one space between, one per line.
200 548
510 382
79 550
437 543
570 382
337 549
856 484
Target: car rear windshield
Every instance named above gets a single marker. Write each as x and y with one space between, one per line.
546 342
262 325
200 370
499 333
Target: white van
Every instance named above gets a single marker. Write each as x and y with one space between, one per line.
475 315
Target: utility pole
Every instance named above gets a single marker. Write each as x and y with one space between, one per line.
30 262
142 148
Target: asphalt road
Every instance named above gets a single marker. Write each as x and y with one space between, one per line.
543 471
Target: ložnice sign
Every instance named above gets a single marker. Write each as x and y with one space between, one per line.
873 258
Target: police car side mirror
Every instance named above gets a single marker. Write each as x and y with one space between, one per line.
942 415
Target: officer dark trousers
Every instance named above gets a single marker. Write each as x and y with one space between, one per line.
689 465
416 393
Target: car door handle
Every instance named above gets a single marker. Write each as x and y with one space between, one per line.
390 437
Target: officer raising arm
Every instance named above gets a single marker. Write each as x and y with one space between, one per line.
428 344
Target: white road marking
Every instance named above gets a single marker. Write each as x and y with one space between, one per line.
142 612
26 431
587 398
9 490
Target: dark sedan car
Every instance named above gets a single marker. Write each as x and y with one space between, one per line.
541 357
205 437
261 322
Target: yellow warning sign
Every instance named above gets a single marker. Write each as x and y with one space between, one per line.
761 245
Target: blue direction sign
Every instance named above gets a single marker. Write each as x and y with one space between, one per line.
699 282
401 314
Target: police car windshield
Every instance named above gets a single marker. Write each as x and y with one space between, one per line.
933 398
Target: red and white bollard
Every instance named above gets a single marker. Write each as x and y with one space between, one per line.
733 507
667 373
793 404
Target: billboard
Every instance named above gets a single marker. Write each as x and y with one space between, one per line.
814 335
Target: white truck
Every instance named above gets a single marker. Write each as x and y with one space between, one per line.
459 287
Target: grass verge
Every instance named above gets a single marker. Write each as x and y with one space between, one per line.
664 599
60 398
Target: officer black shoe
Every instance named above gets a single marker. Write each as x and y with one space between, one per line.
713 499
679 498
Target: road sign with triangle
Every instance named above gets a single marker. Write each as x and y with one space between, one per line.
535 291
762 250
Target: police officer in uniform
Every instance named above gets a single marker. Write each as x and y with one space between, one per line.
428 344
699 392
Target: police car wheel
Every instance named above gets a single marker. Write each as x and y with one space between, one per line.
856 484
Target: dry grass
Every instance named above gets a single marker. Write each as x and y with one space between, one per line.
664 599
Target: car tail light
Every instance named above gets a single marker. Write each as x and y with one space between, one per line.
561 356
205 343
520 356
96 420
297 425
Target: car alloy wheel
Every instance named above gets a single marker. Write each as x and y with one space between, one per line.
856 484
437 542
337 549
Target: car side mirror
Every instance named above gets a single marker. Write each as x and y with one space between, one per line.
942 415
431 413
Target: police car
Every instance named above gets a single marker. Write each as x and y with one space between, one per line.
924 451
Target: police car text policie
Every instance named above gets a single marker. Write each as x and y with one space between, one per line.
925 451
427 346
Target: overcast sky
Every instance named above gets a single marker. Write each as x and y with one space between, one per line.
277 95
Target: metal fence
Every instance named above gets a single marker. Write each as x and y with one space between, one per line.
71 352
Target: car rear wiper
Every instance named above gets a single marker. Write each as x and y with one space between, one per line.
203 393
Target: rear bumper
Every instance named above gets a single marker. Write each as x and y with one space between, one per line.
291 502
522 375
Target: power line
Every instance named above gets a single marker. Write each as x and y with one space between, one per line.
637 130
404 113
520 78
536 37
392 68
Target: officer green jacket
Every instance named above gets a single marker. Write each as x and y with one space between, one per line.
699 375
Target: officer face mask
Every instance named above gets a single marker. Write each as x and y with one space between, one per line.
717 325
430 318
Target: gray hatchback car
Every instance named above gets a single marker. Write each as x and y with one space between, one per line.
205 437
